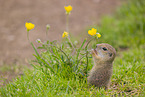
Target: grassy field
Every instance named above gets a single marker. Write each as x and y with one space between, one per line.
57 73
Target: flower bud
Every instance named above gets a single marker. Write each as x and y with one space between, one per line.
98 35
47 26
38 41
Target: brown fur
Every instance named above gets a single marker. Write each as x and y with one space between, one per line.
100 74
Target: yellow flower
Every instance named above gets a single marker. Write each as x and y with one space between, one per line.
29 26
65 34
68 9
92 32
98 35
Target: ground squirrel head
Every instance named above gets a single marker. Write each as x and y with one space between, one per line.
103 53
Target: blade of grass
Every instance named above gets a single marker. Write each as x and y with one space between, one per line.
35 49
78 52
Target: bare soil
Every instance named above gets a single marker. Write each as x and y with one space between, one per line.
14 46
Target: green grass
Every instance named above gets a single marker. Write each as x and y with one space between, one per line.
59 75
127 27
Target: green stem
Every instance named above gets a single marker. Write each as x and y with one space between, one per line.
46 33
87 61
67 29
67 23
89 42
87 54
28 35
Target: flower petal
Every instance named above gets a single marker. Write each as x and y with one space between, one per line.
29 26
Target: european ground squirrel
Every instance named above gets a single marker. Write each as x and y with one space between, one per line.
100 74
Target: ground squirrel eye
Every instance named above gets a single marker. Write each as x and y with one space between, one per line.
104 48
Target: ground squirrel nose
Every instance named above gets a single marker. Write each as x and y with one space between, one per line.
93 51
